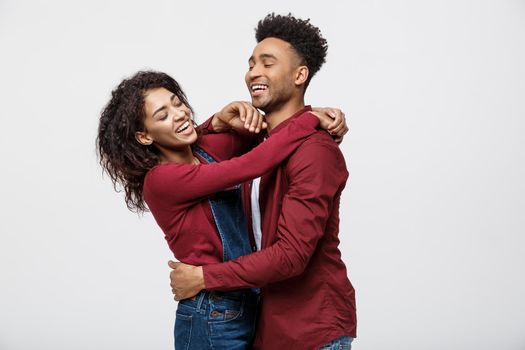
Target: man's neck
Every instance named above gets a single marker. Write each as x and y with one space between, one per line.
278 116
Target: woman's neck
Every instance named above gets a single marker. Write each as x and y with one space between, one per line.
181 156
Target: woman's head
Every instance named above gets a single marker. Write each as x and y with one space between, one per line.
167 124
126 148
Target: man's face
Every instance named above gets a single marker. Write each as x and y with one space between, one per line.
272 73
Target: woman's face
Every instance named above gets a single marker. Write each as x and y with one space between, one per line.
167 123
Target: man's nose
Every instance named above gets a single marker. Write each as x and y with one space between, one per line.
254 73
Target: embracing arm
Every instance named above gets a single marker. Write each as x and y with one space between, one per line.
317 174
232 131
316 178
333 121
242 121
197 181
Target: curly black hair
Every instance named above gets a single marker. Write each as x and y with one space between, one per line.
305 38
121 156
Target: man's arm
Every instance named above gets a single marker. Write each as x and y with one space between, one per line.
317 174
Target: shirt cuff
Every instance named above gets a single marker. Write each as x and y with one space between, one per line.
213 278
207 127
310 119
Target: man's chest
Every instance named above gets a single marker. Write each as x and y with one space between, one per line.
273 187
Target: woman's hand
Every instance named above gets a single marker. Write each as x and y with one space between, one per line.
241 116
332 120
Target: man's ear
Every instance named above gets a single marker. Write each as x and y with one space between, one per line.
143 138
301 75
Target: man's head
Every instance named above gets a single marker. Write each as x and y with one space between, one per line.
288 54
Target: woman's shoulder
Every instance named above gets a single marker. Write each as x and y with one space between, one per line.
165 169
161 173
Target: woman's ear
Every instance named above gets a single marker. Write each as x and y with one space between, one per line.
143 138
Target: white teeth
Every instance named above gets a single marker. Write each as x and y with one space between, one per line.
183 127
258 87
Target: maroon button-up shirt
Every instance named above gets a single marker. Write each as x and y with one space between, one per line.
307 299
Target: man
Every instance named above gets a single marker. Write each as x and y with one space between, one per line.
307 301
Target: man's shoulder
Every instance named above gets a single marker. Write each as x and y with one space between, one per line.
320 140
318 150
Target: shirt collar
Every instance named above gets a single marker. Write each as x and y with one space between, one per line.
307 108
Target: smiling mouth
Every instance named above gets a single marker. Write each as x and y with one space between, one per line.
183 127
258 87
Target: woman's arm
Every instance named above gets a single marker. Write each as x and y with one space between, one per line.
232 131
185 183
333 121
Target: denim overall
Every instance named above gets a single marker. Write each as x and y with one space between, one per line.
220 320
342 343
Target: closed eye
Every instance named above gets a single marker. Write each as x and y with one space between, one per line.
175 101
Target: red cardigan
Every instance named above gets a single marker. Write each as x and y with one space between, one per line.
307 299
177 194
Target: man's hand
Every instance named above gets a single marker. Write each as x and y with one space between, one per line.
332 120
186 280
241 116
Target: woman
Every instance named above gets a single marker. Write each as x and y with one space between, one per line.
148 144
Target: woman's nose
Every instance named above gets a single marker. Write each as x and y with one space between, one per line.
179 114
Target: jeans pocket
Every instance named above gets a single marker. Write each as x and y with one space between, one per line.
183 325
233 330
231 314
222 315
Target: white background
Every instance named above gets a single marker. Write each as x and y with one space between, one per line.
433 218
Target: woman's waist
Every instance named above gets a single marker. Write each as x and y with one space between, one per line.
196 248
233 299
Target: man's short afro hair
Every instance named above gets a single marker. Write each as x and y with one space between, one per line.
305 38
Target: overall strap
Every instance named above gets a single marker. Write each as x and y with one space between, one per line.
230 219
203 154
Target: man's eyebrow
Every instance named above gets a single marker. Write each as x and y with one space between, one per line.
262 56
267 55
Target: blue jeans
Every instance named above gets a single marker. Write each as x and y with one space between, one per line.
216 320
342 343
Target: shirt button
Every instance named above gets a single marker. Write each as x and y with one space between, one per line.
215 313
